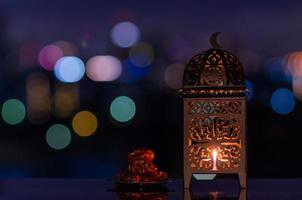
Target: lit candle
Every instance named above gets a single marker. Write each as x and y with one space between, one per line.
214 155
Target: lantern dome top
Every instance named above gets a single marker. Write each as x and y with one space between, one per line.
216 69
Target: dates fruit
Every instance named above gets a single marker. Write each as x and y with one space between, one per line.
141 169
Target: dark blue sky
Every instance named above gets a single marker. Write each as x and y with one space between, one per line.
250 29
272 28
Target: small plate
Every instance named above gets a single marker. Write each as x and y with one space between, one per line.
142 186
144 183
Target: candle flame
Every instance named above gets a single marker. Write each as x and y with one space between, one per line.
214 155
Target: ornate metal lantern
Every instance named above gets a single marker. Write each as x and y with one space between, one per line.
214 115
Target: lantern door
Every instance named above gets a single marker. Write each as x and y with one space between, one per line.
214 136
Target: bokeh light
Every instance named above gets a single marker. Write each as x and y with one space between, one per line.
283 101
58 136
178 48
250 87
125 34
132 73
103 68
49 55
141 54
84 123
66 99
13 111
293 63
297 87
85 38
38 98
123 14
204 176
173 75
122 109
28 54
276 71
69 69
37 84
250 61
68 48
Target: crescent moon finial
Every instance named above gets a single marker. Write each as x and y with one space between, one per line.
213 40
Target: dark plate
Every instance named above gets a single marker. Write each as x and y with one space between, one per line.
144 183
142 186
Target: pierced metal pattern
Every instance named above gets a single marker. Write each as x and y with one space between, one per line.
221 133
214 114
215 107
213 72
191 77
235 72
214 67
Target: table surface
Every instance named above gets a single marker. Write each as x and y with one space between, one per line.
98 189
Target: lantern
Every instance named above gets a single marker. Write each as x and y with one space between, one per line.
214 115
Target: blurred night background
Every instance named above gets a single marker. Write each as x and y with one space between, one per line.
82 83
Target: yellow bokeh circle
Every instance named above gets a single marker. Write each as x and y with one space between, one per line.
84 123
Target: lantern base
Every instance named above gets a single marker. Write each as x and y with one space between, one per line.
188 178
242 180
187 195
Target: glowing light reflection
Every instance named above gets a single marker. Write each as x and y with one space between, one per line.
173 75
141 54
13 111
125 34
69 69
68 48
49 55
251 61
84 123
250 87
297 87
38 98
28 54
132 73
66 99
122 109
276 71
58 136
103 68
283 101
